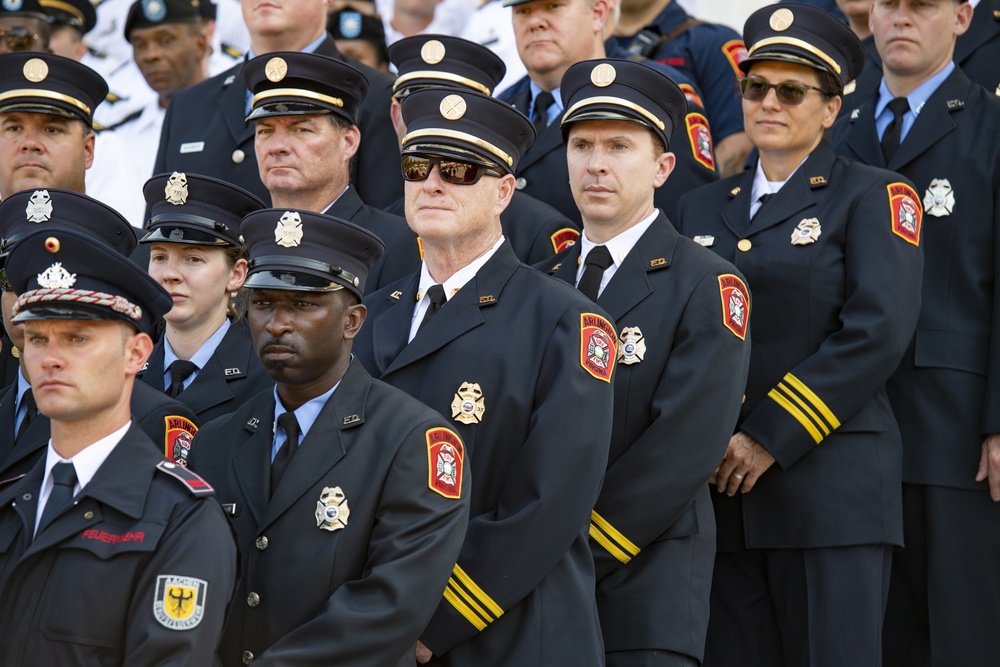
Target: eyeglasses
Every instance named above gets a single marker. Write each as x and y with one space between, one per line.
19 38
754 89
418 168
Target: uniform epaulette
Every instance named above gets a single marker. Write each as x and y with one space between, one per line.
231 51
114 126
112 98
195 484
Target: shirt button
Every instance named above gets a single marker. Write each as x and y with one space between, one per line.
247 657
253 600
261 543
238 156
744 245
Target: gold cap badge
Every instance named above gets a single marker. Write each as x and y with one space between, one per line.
276 69
603 75
432 52
782 20
35 70
453 107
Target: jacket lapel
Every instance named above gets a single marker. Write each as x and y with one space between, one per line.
862 137
252 461
630 285
934 120
391 328
549 140
233 99
153 371
736 214
346 206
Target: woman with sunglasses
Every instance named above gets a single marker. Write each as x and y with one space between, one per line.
205 358
807 497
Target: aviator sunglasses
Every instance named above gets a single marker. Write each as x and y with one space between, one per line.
754 89
418 168
19 39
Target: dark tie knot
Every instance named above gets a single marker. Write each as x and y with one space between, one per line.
64 474
600 257
180 370
899 106
290 424
436 295
543 101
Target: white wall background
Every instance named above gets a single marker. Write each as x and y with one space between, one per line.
733 13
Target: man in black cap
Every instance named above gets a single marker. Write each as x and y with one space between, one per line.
359 36
23 26
349 498
169 47
522 364
206 132
536 230
114 556
653 529
927 121
304 110
23 431
69 21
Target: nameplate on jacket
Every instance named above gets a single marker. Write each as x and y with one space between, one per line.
193 147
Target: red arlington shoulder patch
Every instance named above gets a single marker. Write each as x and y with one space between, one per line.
564 238
445 462
180 433
700 137
904 206
735 304
691 94
598 346
736 52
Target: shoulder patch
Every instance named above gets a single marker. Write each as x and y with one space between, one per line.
907 215
195 484
564 238
179 601
179 432
691 94
445 462
735 304
736 52
700 137
598 346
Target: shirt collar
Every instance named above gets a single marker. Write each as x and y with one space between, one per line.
920 94
557 104
619 246
762 186
204 353
307 413
458 280
22 385
87 461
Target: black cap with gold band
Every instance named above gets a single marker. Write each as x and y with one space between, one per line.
45 83
803 35
77 13
64 274
32 8
613 89
290 83
439 60
466 126
196 210
298 250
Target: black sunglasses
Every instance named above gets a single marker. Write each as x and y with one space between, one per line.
754 89
418 168
19 39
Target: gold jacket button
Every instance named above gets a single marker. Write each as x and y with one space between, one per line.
744 245
253 600
239 156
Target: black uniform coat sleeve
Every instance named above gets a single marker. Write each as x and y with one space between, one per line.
522 593
232 375
675 410
832 319
205 132
155 413
977 51
356 595
84 592
946 393
542 171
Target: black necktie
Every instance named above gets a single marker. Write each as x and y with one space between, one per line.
894 132
436 294
285 453
542 103
180 370
598 259
63 483
30 413
763 199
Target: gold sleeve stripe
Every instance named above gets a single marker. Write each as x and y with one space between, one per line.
613 533
477 592
782 387
468 599
795 412
814 399
463 609
603 540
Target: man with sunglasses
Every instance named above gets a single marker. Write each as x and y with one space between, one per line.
304 111
929 122
521 366
24 26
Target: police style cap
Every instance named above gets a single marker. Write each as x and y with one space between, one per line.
440 60
64 274
45 83
207 9
29 210
289 83
32 8
292 249
77 13
152 13
464 125
803 35
196 210
349 23
612 89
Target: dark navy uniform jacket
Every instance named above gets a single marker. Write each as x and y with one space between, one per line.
946 393
205 132
346 562
536 357
536 232
90 588
831 320
232 375
653 530
389 227
160 417
542 171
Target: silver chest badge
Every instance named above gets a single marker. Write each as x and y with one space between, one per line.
331 509
39 207
633 346
288 233
808 231
939 200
